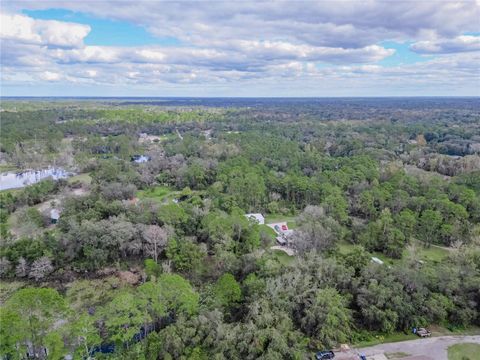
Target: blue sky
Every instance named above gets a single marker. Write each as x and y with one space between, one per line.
153 48
104 31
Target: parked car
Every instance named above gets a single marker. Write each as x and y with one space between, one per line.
422 332
284 227
324 355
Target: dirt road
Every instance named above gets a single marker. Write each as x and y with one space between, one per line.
434 348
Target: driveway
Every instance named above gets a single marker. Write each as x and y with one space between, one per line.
434 348
279 225
286 250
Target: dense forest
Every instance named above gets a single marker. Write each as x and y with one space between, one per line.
152 256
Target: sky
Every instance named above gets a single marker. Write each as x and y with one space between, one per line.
240 48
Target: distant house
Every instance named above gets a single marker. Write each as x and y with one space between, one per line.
54 216
377 260
139 159
257 217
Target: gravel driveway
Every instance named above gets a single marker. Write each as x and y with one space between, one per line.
434 348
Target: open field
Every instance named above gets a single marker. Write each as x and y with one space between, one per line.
467 351
282 257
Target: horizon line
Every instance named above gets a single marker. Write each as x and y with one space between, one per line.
232 97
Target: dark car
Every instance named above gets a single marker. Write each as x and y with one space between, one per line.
324 355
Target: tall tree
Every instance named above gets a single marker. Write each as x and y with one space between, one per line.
37 309
429 226
327 318
227 290
124 316
84 334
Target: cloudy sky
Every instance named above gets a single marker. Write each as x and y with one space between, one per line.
237 48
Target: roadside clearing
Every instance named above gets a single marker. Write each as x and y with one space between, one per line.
435 348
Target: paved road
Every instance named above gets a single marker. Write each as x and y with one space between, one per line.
434 348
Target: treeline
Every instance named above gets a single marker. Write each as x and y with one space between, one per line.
263 309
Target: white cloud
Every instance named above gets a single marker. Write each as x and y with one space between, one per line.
24 29
347 24
91 73
237 55
50 76
458 44
86 54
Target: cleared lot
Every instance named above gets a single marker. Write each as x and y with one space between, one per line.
422 349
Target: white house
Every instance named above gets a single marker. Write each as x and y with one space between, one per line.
377 260
140 159
54 216
257 217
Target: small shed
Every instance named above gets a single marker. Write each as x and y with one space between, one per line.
54 216
257 217
140 159
377 260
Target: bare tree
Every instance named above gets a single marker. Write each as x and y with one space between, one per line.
316 231
5 266
21 270
41 268
156 239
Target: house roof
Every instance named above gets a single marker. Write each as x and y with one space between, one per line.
140 158
259 217
54 214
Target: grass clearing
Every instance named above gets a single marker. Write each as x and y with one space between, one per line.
268 230
7 167
11 191
282 257
432 254
386 338
467 351
396 355
438 330
82 178
8 288
159 193
275 218
344 248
